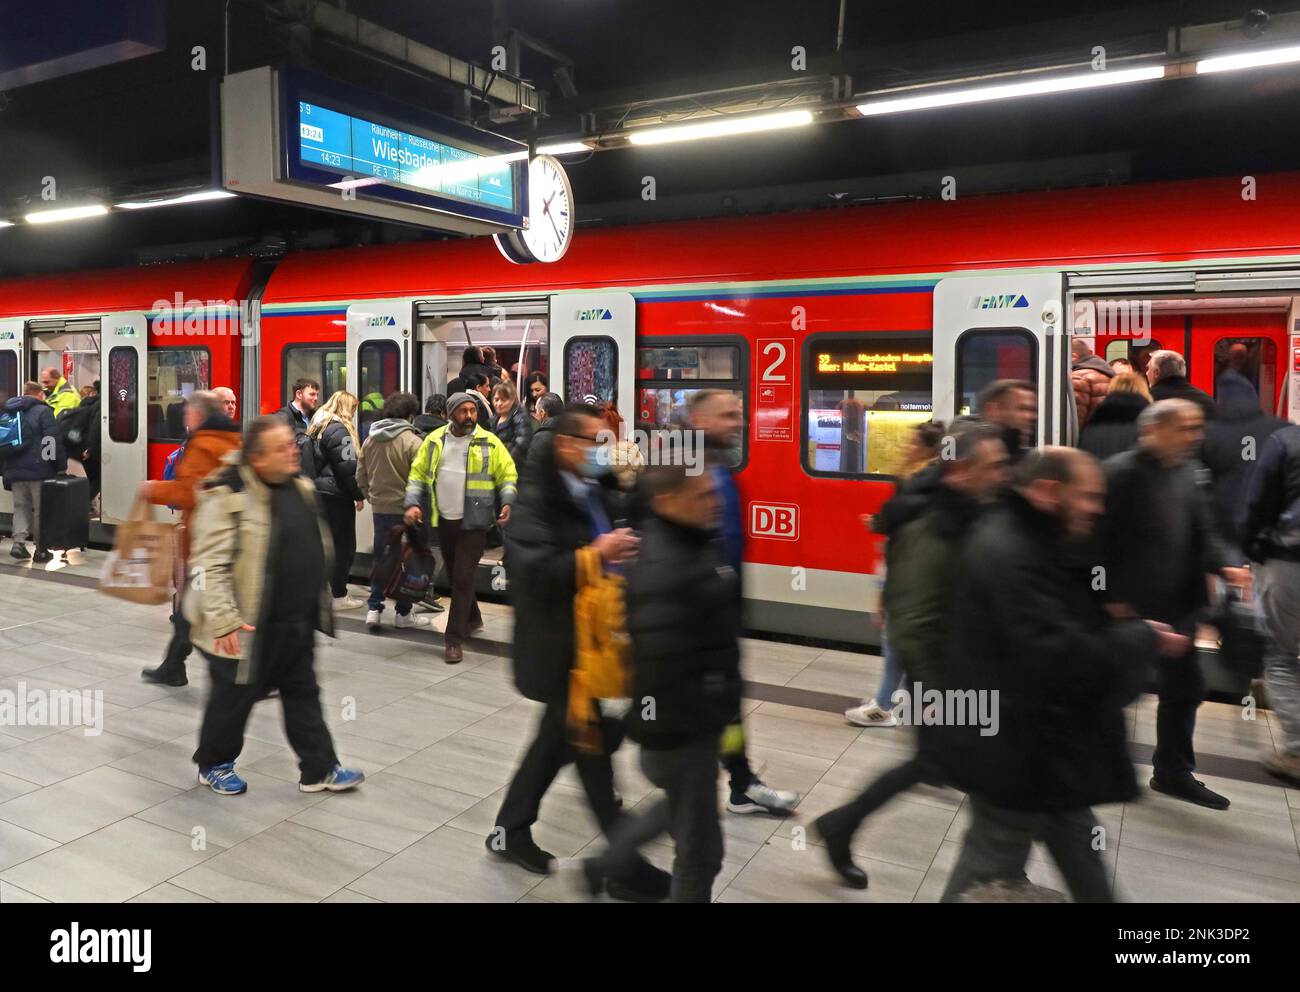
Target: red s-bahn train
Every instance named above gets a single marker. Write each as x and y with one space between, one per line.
839 328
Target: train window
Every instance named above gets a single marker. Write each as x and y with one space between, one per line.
326 363
123 395
669 376
1241 362
174 373
862 396
591 370
8 375
984 356
379 376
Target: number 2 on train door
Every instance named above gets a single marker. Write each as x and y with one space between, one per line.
774 390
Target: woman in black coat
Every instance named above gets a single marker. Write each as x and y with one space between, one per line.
511 423
1113 425
337 452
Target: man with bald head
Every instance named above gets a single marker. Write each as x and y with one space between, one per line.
226 397
59 393
1033 646
1158 543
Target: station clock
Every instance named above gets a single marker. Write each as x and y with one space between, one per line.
550 216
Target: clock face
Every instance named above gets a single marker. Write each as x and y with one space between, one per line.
550 215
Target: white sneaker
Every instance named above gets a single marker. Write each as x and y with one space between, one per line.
762 798
372 620
871 714
342 603
410 620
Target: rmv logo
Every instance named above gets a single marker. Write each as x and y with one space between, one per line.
775 521
8 335
125 331
1003 301
381 321
596 313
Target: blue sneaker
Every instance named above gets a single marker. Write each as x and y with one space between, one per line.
222 780
339 780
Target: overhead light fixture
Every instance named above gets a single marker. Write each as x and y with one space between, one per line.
66 213
720 128
211 194
6 223
1250 60
563 148
1007 91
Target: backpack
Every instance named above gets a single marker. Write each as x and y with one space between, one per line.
74 426
11 433
407 566
602 666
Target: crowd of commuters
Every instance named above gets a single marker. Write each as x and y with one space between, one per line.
1105 558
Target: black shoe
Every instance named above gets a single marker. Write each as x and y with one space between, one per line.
42 556
1191 790
165 675
523 852
841 858
19 552
593 876
644 883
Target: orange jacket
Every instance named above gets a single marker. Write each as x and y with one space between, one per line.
204 453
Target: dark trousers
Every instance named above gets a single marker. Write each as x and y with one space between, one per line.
342 516
844 820
546 756
1180 688
997 846
285 663
179 648
461 550
384 522
688 811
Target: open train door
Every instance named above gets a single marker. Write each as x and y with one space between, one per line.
122 412
11 379
593 350
1003 327
378 365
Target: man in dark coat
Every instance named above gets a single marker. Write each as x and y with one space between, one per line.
562 507
1062 673
41 457
297 413
1112 427
1011 405
1158 544
1233 441
1167 374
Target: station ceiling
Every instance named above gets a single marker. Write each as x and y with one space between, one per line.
146 125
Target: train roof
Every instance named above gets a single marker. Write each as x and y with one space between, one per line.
1150 222
110 290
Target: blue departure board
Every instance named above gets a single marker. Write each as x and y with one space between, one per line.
356 147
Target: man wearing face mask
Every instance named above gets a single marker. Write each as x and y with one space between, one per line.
717 417
568 502
459 473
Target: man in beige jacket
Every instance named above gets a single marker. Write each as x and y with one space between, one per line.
386 460
258 592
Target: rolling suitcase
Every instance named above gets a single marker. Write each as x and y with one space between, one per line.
65 513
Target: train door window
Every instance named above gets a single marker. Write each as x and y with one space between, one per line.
123 395
1251 359
863 394
591 370
517 343
325 363
380 375
173 374
669 376
8 375
985 356
1116 349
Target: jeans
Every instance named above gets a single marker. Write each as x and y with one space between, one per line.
998 843
1277 586
384 522
27 512
892 677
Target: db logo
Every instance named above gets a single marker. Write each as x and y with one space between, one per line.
776 521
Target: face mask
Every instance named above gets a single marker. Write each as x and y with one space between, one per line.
592 466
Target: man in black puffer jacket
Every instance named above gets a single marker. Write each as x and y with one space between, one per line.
336 453
683 615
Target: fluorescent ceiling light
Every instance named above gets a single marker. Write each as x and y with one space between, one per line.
1006 91
211 194
563 148
6 223
1250 60
720 128
66 213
